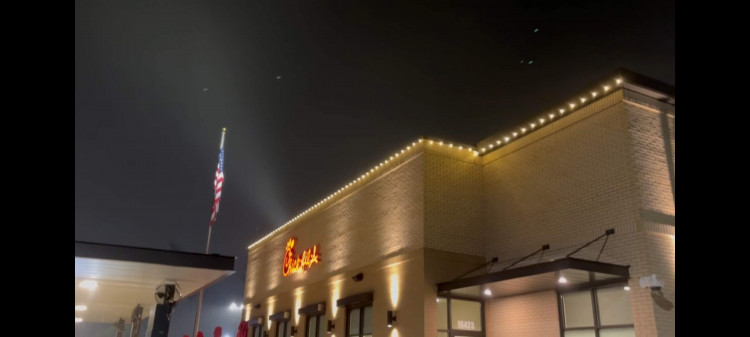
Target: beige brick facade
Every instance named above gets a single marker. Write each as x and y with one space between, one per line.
434 212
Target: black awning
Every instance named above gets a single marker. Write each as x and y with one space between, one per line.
539 277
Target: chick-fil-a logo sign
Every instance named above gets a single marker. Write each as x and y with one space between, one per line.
295 264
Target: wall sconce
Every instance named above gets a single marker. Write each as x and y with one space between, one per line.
391 318
293 330
330 327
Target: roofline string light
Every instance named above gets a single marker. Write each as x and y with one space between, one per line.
595 95
503 140
345 188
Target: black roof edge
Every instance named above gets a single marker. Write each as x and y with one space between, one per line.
155 256
539 268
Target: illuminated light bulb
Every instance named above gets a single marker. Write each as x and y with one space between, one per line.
532 125
414 144
515 134
571 105
627 288
391 157
460 147
488 292
81 308
583 99
498 142
593 94
606 88
395 154
88 284
618 81
420 140
483 150
431 142
562 280
562 111
441 143
551 116
402 151
476 153
450 145
506 139
523 130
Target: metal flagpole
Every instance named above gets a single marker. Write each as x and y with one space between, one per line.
208 244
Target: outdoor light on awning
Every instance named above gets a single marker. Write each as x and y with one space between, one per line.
562 280
488 292
627 288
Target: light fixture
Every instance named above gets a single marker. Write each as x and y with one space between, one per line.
79 319
618 81
606 88
329 328
81 308
571 105
627 288
583 99
88 284
488 292
562 280
593 94
391 318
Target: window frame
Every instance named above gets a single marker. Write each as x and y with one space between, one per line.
457 332
597 327
361 307
319 320
282 325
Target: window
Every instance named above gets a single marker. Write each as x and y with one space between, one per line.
359 321
283 328
603 312
459 317
256 330
316 326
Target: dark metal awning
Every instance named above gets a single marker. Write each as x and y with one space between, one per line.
538 277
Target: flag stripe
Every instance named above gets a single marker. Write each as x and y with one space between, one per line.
218 184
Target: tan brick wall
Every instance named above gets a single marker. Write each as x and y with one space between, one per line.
452 204
532 315
382 218
562 184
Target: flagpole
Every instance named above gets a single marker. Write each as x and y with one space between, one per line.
208 244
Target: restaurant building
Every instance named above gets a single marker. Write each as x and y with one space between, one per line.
563 226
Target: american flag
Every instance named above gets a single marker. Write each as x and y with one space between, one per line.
218 183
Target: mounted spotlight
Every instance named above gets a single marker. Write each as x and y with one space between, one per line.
391 318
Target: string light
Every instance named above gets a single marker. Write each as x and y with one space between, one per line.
551 116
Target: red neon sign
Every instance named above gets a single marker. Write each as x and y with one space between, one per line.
295 264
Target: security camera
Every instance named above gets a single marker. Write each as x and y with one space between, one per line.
358 277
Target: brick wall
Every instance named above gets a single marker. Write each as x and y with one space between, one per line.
382 218
532 315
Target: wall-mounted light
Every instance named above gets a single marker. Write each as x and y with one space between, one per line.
562 280
329 328
293 330
488 292
391 318
358 277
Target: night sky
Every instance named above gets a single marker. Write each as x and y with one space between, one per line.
312 93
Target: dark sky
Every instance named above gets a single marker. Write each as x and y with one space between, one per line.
156 80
